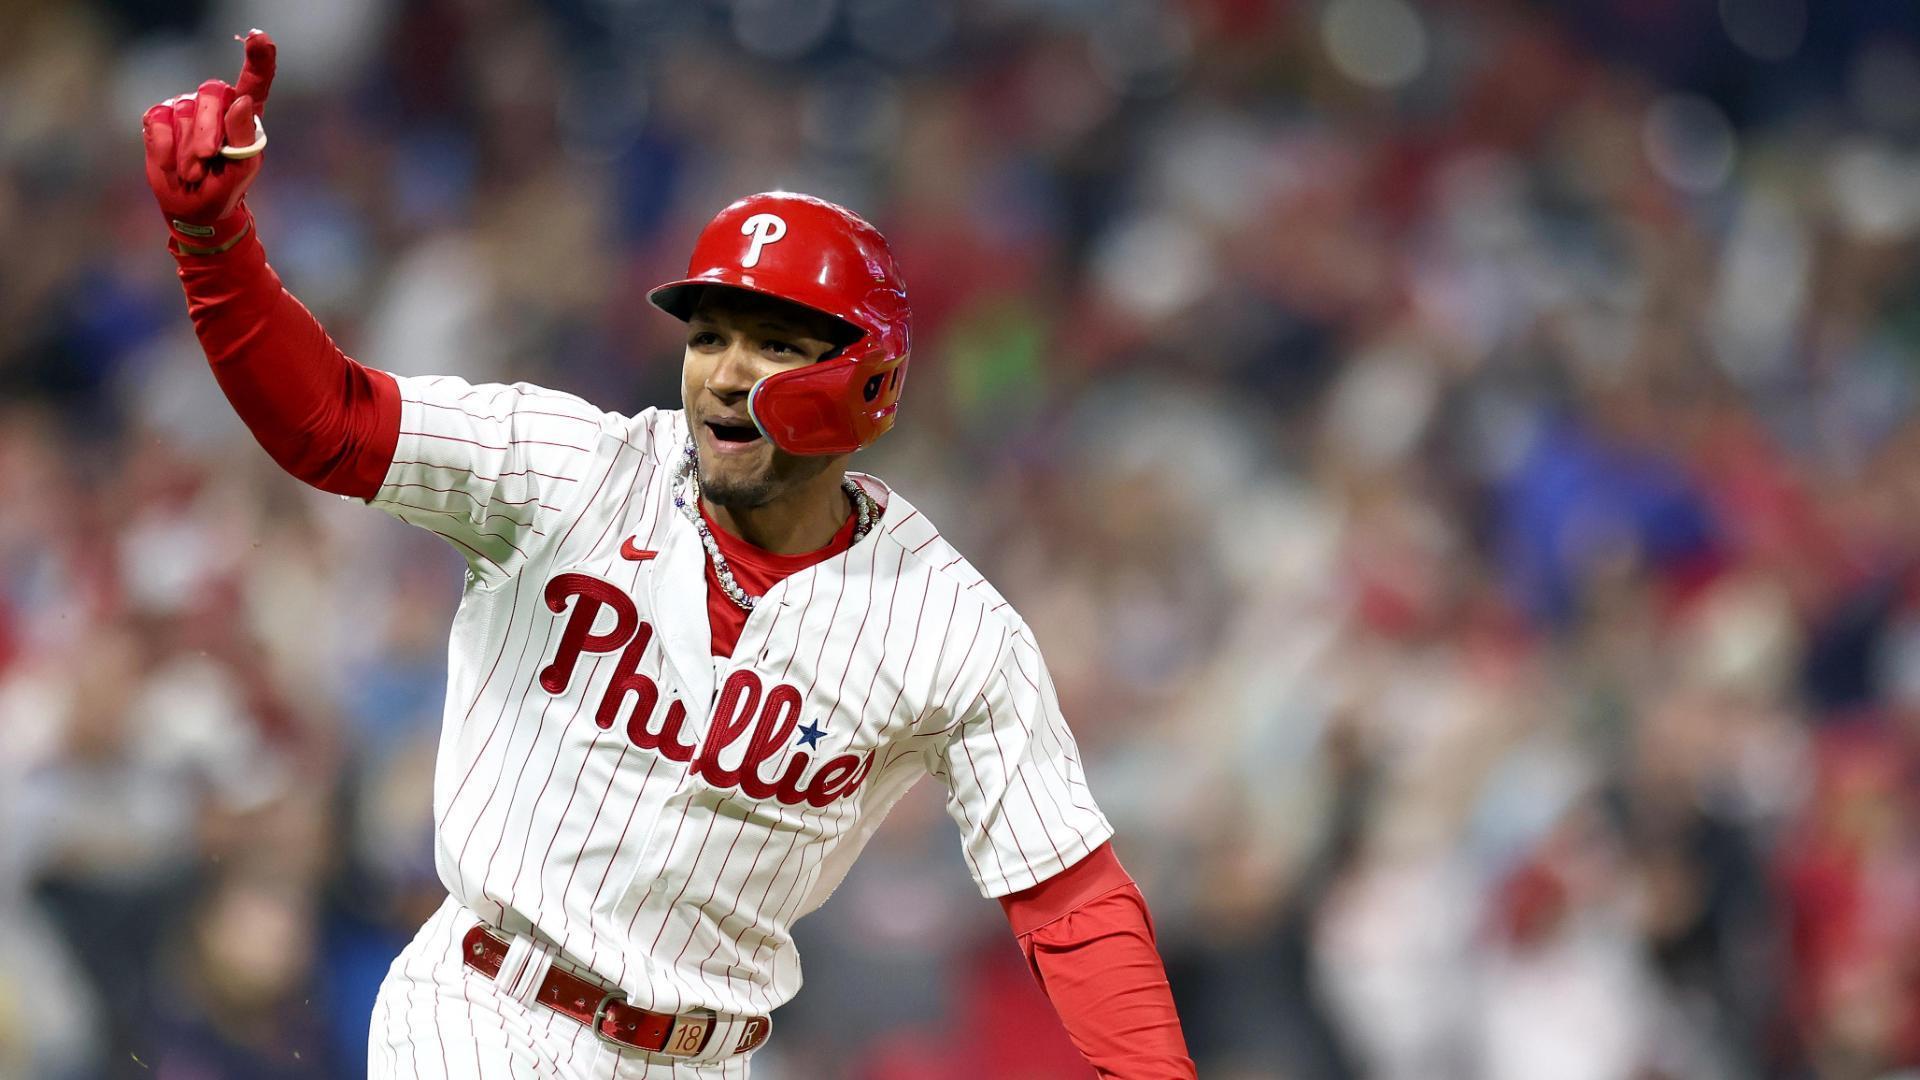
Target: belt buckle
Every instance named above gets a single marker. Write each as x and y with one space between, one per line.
688 1036
600 1014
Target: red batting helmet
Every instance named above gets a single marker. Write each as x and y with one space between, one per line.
825 257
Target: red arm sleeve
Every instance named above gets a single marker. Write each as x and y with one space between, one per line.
322 417
1087 935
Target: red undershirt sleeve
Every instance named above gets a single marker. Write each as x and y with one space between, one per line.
1089 939
321 416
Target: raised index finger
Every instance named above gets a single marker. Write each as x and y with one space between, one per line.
256 76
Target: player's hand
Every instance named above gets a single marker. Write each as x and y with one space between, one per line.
203 151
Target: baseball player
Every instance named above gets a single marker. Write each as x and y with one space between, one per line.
695 662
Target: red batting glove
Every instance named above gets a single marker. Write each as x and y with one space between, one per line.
203 150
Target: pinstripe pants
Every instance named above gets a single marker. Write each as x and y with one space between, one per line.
437 1019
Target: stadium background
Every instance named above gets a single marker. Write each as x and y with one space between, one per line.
1459 459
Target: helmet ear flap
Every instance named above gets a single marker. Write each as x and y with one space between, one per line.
830 407
803 412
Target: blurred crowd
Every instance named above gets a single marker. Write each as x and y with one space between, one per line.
1458 457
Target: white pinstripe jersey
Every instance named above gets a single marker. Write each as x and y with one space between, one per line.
662 815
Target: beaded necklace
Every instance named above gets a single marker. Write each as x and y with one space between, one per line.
686 496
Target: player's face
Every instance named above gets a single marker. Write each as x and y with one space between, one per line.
734 339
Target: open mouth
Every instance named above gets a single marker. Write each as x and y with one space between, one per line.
732 434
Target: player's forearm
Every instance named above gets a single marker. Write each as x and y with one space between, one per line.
1101 971
322 417
1089 940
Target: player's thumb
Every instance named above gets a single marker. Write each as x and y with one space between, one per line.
239 122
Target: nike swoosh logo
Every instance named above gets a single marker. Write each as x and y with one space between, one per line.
637 554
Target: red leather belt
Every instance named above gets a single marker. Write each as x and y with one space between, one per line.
606 1012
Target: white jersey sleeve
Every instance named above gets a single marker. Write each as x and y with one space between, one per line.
490 467
1013 778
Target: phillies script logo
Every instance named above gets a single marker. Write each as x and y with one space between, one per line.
766 719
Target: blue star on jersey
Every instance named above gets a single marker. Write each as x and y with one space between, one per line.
810 733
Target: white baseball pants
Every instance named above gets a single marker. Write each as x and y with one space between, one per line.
437 1019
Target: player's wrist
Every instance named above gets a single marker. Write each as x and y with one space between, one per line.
195 238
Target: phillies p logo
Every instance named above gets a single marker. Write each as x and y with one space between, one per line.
765 229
